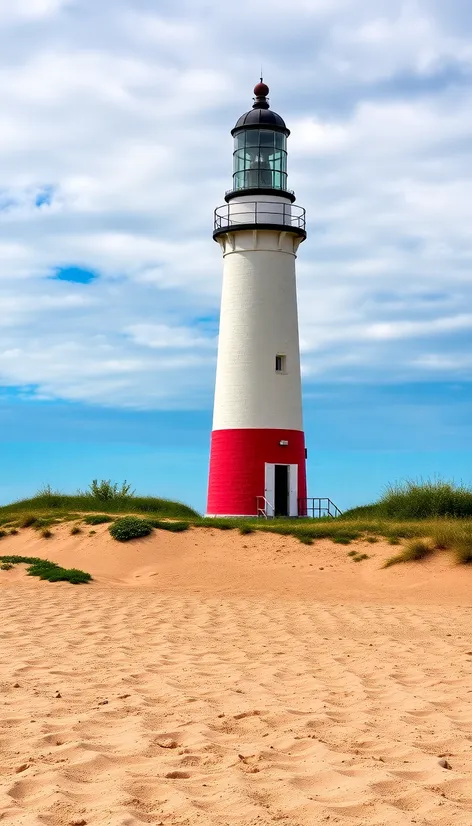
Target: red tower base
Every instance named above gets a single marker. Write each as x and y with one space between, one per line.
238 468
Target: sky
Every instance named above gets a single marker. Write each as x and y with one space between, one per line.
115 148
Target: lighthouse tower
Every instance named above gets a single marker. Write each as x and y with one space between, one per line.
257 461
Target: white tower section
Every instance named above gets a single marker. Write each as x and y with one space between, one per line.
258 323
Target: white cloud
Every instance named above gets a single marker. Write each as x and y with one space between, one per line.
30 9
124 111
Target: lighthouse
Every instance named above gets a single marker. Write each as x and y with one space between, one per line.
258 456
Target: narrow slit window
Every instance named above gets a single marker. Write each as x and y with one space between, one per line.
280 364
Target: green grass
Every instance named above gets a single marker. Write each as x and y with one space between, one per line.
173 527
97 518
61 505
414 551
419 500
44 569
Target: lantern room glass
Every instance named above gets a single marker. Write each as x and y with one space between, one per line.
260 160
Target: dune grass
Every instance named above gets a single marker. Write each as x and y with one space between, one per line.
55 504
413 551
421 499
44 569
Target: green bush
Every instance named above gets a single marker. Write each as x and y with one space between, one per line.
106 490
245 530
75 530
305 539
46 533
129 527
97 519
6 566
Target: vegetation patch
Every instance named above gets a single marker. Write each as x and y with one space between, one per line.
414 551
75 530
463 551
173 527
97 519
44 569
414 499
129 527
46 533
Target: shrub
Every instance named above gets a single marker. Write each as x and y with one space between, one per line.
97 519
352 553
173 527
6 566
46 533
75 530
361 557
415 550
129 527
13 531
371 539
245 530
305 539
393 540
342 540
2 533
106 490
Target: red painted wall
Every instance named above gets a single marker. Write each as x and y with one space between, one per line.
237 472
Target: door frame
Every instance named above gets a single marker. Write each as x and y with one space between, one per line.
269 487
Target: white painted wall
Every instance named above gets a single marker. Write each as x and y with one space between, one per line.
258 321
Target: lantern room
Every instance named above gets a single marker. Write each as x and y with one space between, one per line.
260 149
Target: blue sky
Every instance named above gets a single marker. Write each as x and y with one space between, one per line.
114 151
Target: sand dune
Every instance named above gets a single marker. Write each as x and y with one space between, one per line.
201 679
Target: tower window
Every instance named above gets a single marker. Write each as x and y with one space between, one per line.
280 364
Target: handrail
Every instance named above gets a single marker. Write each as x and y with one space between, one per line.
320 506
259 212
262 511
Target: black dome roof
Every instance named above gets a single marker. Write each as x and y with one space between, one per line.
260 116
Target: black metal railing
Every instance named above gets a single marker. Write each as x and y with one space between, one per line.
269 213
317 507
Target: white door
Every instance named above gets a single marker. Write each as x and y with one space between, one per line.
269 492
293 490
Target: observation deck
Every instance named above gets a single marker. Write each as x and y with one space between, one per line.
270 215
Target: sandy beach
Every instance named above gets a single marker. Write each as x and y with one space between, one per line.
212 678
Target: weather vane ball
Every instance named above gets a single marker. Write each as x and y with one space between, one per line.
261 90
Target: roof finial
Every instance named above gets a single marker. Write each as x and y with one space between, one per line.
261 90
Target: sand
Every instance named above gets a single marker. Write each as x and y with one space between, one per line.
212 678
